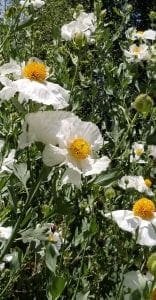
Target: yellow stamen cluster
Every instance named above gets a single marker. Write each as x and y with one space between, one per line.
144 208
35 70
80 149
148 182
140 32
138 151
136 50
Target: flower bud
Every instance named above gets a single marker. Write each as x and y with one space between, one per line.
80 39
143 104
110 193
151 264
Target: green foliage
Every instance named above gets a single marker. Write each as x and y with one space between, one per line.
94 254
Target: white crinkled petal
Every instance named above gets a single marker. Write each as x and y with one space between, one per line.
124 219
71 176
92 166
47 93
149 34
146 234
53 156
10 68
8 162
5 232
75 128
135 280
68 31
42 127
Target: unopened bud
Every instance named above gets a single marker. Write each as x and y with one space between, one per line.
143 104
80 39
151 264
110 193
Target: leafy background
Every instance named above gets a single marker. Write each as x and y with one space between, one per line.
95 253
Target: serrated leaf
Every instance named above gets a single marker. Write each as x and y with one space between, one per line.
56 288
51 258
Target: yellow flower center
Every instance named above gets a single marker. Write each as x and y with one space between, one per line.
144 208
140 32
148 182
153 295
35 71
138 151
79 148
136 50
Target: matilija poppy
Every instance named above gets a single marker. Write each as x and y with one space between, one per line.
141 221
136 182
134 34
69 141
30 81
137 53
85 24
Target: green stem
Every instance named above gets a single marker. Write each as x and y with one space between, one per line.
74 296
125 135
23 212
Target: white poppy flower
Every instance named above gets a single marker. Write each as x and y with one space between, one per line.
36 3
152 151
141 221
5 232
84 24
42 127
68 141
134 280
137 53
33 85
136 182
76 143
8 162
137 151
134 34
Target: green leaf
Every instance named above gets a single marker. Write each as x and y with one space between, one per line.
136 295
28 22
106 179
151 139
51 257
20 171
56 288
82 296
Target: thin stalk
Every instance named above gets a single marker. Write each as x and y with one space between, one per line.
125 135
74 296
20 218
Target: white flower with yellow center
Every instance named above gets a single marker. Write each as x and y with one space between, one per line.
141 221
35 3
33 84
137 53
134 34
84 24
69 141
136 182
137 151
